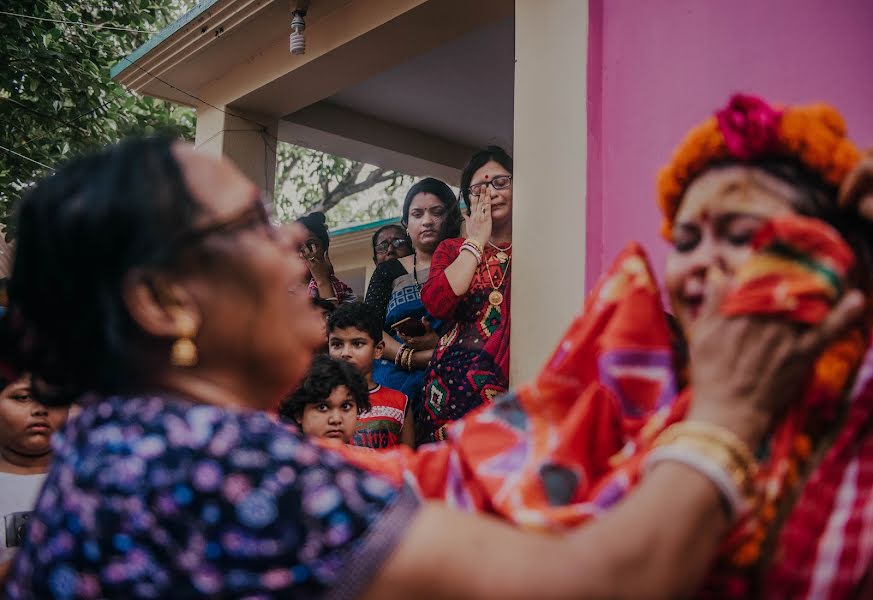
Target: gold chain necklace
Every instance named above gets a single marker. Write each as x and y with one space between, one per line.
495 298
501 255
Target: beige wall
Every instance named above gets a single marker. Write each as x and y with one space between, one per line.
247 139
550 140
353 262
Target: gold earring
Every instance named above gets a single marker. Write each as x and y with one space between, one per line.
184 351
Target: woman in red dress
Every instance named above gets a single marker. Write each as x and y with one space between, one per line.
468 287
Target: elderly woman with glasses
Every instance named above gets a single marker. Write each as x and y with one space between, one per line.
430 215
468 288
390 241
173 482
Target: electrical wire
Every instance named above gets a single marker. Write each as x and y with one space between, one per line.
77 23
11 151
201 100
217 133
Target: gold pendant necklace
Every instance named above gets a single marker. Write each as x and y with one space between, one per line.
495 298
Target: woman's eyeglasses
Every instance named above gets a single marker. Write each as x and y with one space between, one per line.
396 243
254 216
501 182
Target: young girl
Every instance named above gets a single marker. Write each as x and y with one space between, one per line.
329 400
26 426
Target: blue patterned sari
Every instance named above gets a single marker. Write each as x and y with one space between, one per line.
396 290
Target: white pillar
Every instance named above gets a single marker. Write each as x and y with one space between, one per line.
550 146
249 140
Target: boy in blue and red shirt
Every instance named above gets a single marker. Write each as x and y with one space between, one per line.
355 336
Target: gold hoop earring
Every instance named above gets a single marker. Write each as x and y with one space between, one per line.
184 350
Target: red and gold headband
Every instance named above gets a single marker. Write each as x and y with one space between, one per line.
749 129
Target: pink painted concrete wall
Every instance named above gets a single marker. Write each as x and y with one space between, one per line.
658 67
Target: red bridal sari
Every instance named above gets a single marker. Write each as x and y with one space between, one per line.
569 445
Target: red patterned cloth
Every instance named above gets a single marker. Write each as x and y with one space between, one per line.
470 365
380 426
797 273
569 445
341 291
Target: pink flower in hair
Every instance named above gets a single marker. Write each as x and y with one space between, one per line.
750 126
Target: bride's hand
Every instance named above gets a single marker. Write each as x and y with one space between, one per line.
746 369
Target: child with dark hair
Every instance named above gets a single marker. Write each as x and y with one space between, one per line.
323 283
355 336
26 426
329 400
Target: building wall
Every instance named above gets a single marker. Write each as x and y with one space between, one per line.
352 260
658 67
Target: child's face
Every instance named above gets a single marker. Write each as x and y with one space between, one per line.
334 418
26 425
355 346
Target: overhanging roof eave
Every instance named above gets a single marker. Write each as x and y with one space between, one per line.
121 66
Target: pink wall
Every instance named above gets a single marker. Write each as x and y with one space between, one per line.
658 67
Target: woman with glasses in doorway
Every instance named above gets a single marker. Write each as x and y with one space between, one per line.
430 215
468 287
390 241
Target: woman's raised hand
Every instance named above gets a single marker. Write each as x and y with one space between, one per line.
317 260
479 219
745 369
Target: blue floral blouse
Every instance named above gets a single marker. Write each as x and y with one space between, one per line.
161 497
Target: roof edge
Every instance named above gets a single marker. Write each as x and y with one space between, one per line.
364 226
127 62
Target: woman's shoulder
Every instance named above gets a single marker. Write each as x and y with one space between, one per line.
451 245
171 423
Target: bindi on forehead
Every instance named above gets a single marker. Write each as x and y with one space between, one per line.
488 171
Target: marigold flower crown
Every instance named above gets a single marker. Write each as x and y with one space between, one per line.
749 129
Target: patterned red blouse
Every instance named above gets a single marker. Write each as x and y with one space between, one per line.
470 366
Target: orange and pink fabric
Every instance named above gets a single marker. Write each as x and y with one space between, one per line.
570 444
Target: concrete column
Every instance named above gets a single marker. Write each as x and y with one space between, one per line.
247 139
550 142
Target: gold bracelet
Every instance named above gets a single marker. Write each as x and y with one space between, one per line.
398 358
472 250
714 445
701 430
475 244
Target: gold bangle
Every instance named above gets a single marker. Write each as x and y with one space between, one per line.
475 244
472 250
718 445
398 358
702 430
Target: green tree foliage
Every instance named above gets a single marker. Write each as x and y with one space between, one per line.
56 97
345 190
57 100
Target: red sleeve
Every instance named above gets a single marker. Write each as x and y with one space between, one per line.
437 295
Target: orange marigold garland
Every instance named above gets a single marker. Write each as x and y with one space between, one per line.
749 129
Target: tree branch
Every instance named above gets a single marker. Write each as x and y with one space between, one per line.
342 190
